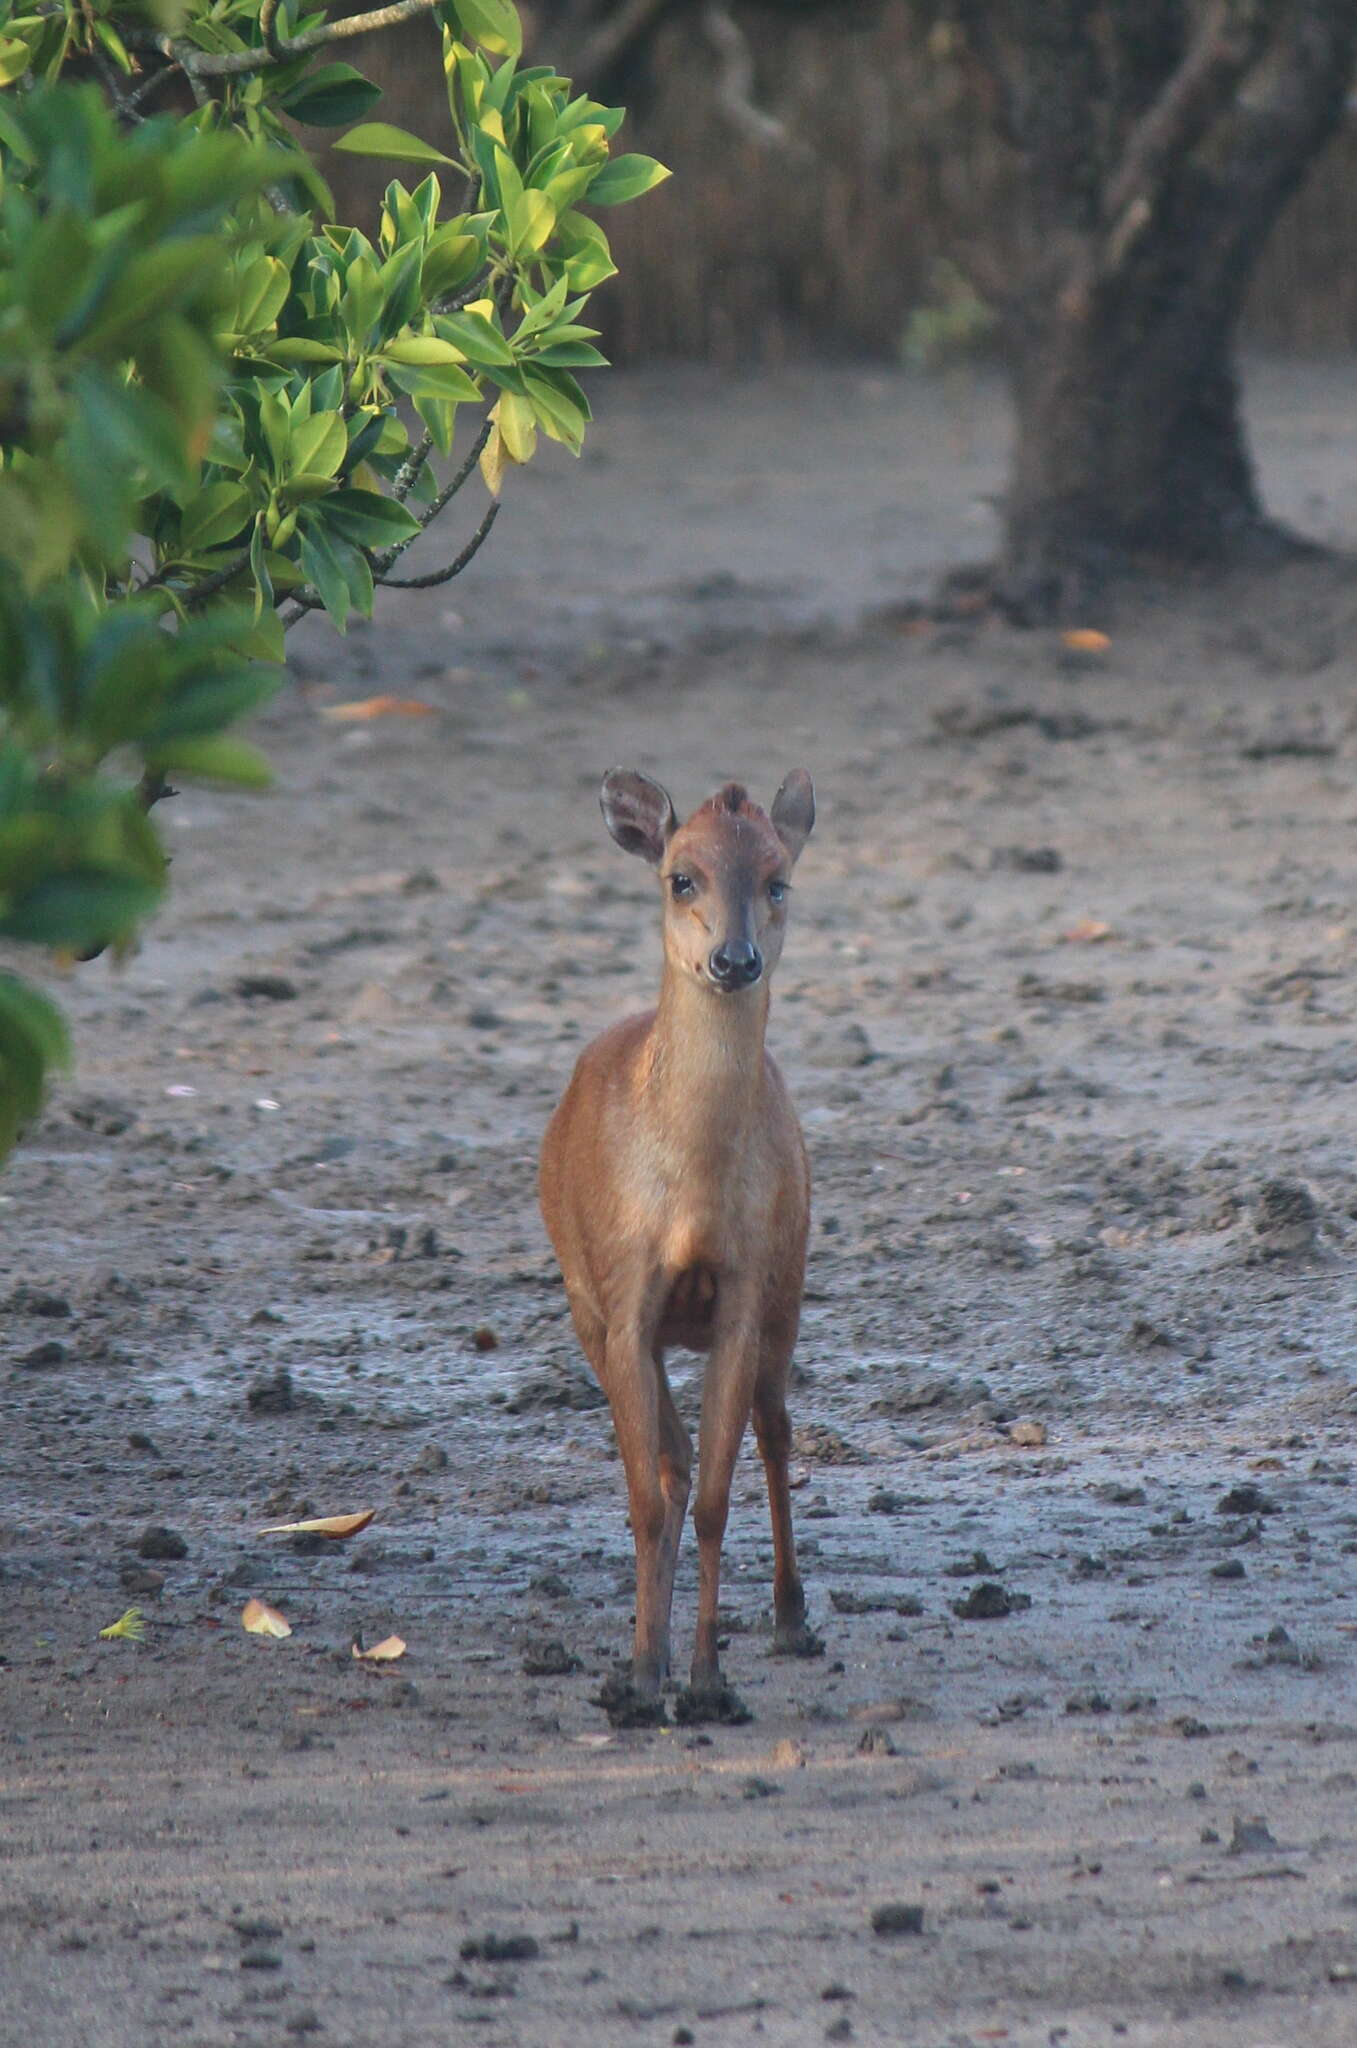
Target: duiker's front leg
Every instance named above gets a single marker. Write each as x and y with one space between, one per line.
727 1395
632 1385
657 1459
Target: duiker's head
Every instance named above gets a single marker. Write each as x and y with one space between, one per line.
725 874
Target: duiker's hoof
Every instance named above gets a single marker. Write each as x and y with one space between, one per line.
626 1706
797 1642
716 1702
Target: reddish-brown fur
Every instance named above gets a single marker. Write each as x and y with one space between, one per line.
675 1190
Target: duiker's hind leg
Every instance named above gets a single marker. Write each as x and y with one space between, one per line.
656 1457
773 1432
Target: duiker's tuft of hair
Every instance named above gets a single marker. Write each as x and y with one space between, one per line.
732 797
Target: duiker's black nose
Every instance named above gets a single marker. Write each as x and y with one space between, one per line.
735 963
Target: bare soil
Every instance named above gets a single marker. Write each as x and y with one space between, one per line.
1067 1009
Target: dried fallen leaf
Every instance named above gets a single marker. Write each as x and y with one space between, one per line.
1086 640
263 1621
128 1628
1089 931
365 708
385 1652
1028 1434
337 1526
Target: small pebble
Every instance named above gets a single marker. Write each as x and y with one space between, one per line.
53 1352
500 1948
1251 1836
896 1918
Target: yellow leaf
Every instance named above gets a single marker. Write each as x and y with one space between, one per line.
385 1652
128 1628
337 1526
378 707
1086 640
493 458
513 415
263 1621
1089 931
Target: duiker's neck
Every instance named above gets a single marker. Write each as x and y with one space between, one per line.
706 1049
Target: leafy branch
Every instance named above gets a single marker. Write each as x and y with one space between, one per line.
220 409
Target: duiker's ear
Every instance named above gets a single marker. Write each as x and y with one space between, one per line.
638 813
793 812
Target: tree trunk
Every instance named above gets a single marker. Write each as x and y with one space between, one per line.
1130 444
1156 165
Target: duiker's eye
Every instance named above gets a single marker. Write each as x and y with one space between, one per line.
682 885
777 890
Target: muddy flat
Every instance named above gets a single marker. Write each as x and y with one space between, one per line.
1067 1009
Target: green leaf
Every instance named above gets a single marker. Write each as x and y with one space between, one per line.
399 278
266 639
303 485
330 96
206 705
494 24
449 260
114 45
219 758
261 294
478 338
368 519
322 570
540 313
275 423
588 257
424 348
15 58
80 910
214 515
33 1040
162 276
319 445
259 569
362 301
296 349
567 188
508 179
626 177
531 219
13 137
571 355
436 380
561 411
379 138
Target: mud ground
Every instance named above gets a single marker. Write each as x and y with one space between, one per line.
1067 1008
